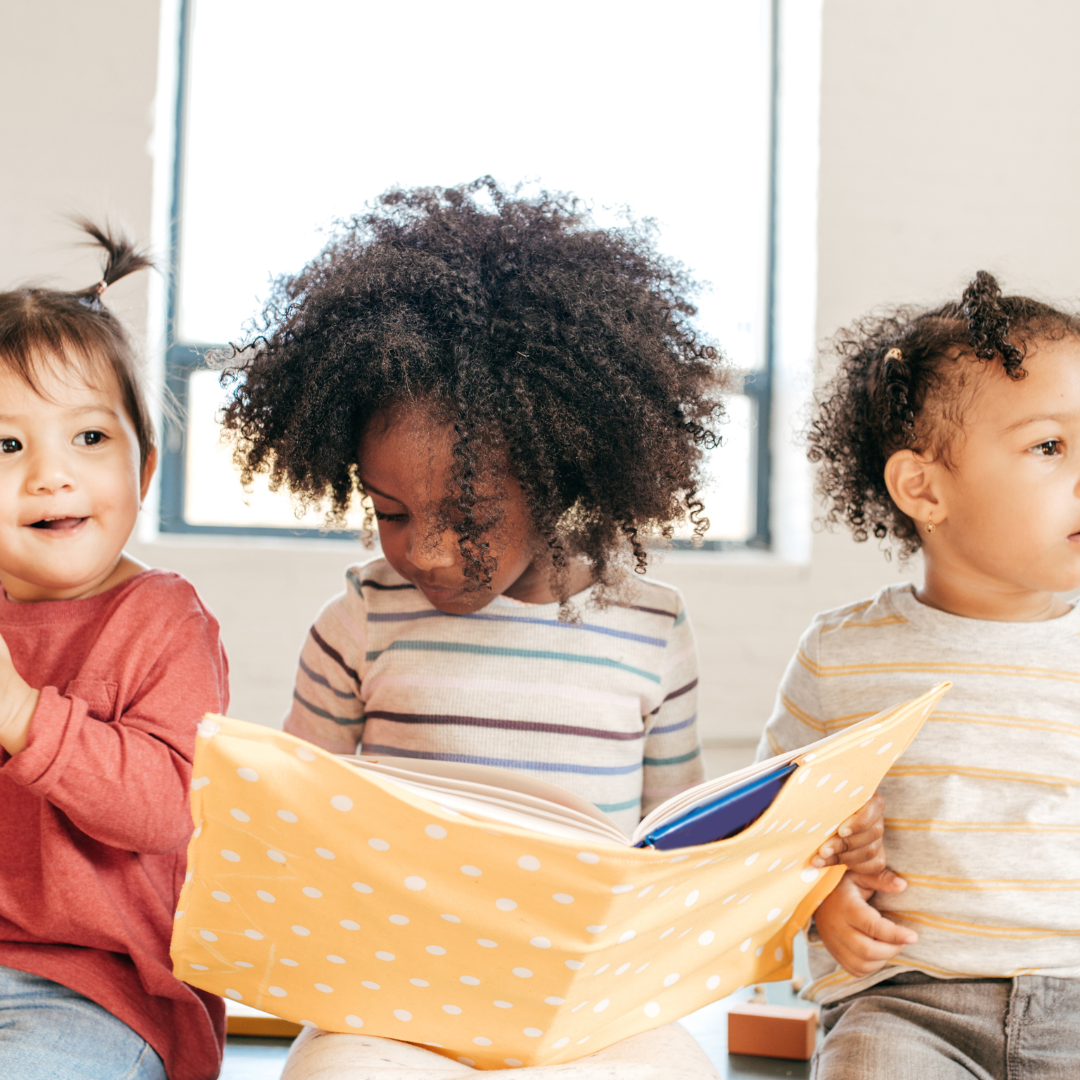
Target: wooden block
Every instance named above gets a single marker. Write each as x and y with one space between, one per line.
779 1031
244 1020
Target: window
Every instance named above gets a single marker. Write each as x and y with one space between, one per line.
290 117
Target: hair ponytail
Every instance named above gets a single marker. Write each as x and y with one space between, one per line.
122 257
988 324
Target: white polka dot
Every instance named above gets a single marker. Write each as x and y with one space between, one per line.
600 1006
773 865
621 969
229 856
529 862
354 1021
402 1015
669 930
840 787
349 924
323 853
436 832
619 889
585 1040
250 775
253 934
691 897
779 954
751 859
275 856
487 943
663 892
562 898
239 815
450 918
453 1010
471 871
467 1061
288 815
472 980
301 931
672 979
378 845
810 874
384 955
502 1004
627 935
852 794
197 833
541 942
588 857
208 935
522 973
415 884
435 950
759 950
234 994
341 802
824 779
323 988
638 971
308 891
601 969
371 985
360 887
652 1009
505 905
532 1033
198 967
224 897
884 747
208 728
513 1062
262 894
276 991
649 888
554 1001
706 938
289 963
304 753
774 914
712 982
575 965
335 959
400 920
558 1044
598 929
419 982
745 945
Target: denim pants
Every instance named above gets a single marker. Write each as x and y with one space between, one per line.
914 1027
48 1032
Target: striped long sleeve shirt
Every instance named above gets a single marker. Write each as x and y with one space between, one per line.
982 813
605 707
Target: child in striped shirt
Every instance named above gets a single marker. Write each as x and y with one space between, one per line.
521 399
956 432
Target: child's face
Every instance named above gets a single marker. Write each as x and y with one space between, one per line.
405 468
1012 499
70 484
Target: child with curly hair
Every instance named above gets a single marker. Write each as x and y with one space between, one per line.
523 400
956 431
106 667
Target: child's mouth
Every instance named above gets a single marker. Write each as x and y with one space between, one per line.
63 524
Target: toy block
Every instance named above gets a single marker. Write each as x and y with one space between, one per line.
778 1031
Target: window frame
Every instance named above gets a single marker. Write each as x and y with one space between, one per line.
184 357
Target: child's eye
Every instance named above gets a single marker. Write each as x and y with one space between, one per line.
379 516
10 446
1050 448
89 438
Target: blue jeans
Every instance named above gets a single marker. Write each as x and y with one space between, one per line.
48 1032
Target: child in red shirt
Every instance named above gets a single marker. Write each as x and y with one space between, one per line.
106 667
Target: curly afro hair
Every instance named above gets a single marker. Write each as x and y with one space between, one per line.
900 385
564 349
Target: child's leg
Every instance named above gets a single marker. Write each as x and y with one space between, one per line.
914 1027
666 1053
48 1031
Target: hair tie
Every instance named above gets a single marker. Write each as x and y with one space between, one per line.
897 392
100 288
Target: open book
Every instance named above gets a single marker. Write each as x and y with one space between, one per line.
496 925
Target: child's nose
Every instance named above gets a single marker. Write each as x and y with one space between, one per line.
48 473
433 551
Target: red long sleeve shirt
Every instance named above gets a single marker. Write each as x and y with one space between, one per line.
94 812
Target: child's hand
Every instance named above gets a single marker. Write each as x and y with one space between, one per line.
859 937
18 700
858 845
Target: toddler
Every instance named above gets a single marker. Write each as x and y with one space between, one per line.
956 431
106 667
523 402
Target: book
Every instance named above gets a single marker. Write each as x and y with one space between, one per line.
498 925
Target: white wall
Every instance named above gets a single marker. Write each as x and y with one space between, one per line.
948 144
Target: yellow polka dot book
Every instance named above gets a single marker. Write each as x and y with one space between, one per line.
495 918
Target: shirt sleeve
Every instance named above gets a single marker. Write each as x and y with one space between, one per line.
797 715
126 783
672 756
326 708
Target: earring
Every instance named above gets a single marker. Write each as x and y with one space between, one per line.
930 526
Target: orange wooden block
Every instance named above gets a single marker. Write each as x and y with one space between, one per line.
779 1031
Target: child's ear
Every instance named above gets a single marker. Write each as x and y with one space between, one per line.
148 472
914 485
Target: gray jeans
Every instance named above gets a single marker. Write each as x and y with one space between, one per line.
914 1027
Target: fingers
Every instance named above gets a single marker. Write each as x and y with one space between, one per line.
886 932
857 842
886 881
